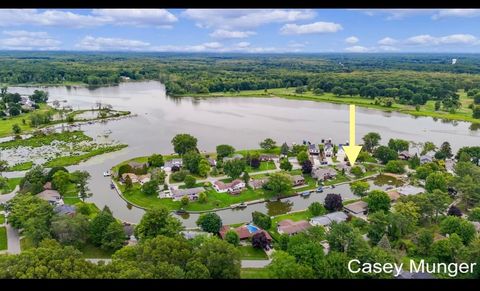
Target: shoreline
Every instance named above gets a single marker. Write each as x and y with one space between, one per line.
412 112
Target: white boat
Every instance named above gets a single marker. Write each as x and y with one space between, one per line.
107 174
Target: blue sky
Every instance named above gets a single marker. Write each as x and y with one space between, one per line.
240 30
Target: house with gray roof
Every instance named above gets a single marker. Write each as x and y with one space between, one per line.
65 209
51 196
410 190
327 219
191 193
324 173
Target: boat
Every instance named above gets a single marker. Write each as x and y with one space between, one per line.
112 186
305 193
107 174
240 205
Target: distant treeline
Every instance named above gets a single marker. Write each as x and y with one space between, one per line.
409 78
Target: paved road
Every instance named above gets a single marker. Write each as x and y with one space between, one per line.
6 197
255 263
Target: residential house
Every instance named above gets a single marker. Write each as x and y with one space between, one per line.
405 155
410 190
341 153
142 179
258 183
328 150
343 166
234 157
191 193
393 195
244 232
212 162
267 157
324 173
132 177
426 159
313 150
290 227
51 196
297 180
47 186
358 208
326 220
65 209
234 187
172 163
137 165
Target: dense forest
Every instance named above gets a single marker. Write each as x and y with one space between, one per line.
408 78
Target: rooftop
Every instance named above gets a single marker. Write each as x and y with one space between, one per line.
357 207
410 190
290 227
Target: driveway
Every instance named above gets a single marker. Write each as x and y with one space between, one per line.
6 197
255 263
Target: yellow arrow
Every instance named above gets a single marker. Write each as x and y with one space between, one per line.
352 150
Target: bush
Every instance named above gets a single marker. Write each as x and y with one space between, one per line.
190 181
179 176
232 237
210 222
474 214
261 220
316 209
259 240
454 211
395 166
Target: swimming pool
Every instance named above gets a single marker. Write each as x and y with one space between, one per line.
252 228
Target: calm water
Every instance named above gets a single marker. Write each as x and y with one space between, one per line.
241 122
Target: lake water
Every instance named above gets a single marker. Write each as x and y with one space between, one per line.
241 122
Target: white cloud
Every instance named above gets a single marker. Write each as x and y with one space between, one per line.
387 41
29 40
91 43
426 39
456 13
245 18
357 49
388 48
213 45
316 27
135 17
397 14
243 44
294 44
352 40
222 33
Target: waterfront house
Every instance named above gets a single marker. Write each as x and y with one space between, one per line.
233 187
137 166
234 157
405 155
313 150
328 150
426 159
142 179
358 208
172 163
327 219
323 174
244 232
297 180
51 196
290 227
410 190
258 183
191 193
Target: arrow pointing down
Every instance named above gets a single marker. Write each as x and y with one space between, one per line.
352 150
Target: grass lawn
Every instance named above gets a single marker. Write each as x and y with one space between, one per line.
254 273
251 253
264 166
296 216
21 167
71 200
214 199
7 122
275 150
93 252
26 244
11 184
464 113
338 179
3 238
2 219
75 160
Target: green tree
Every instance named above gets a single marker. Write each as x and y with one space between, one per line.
385 154
156 222
414 162
356 171
398 145
70 230
203 168
476 112
224 150
428 146
202 197
128 183
183 143
156 160
397 167
371 140
184 200
424 241
378 200
60 181
316 208
342 237
268 144
234 168
378 226
81 179
435 181
246 178
113 237
284 266
284 149
232 238
467 182
190 181
33 181
279 183
474 214
210 222
191 161
302 157
221 259
262 220
150 188
359 188
446 250
16 129
99 225
384 243
285 165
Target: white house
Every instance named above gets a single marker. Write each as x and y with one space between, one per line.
232 187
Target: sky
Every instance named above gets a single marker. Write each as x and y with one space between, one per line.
242 30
